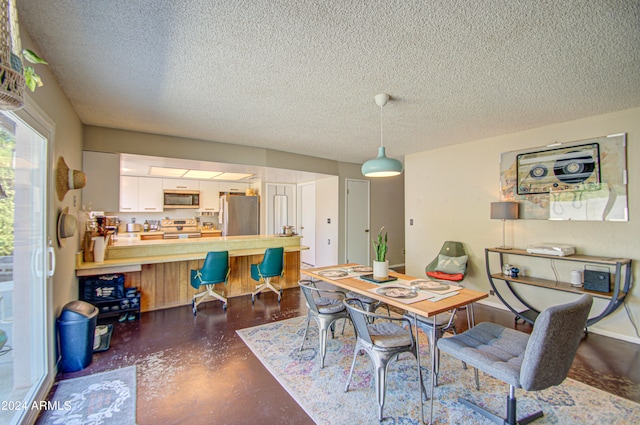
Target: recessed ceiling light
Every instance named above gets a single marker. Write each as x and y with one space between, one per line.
166 172
232 176
201 174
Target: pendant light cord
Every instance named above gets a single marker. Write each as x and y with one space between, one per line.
381 131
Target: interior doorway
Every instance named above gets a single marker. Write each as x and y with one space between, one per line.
358 220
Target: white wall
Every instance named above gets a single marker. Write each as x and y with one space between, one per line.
327 241
67 142
448 192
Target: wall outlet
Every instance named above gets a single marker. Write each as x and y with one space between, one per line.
492 292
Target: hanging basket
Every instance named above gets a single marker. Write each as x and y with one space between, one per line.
12 82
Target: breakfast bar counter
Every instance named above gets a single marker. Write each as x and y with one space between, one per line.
160 269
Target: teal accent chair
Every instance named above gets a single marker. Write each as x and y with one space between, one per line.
215 269
272 265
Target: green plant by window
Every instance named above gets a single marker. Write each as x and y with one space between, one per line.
32 79
380 245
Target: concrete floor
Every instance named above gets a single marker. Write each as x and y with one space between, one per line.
196 370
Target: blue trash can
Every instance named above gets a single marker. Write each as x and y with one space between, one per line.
76 333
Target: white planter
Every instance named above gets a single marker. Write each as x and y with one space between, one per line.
381 269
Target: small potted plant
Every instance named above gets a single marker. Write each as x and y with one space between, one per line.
380 264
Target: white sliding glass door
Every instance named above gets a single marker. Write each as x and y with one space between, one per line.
25 267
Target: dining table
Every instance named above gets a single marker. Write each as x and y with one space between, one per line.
424 298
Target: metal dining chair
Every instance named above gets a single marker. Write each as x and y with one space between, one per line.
382 341
325 308
443 322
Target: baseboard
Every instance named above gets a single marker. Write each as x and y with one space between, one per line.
596 331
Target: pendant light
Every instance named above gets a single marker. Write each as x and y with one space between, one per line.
381 166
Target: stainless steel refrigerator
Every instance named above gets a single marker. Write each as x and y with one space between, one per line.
239 215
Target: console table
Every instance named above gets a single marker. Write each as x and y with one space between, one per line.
621 281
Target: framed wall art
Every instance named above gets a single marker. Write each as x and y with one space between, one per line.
579 180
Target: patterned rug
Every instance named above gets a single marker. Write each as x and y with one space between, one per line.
98 399
320 392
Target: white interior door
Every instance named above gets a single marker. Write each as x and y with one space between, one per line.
27 265
357 229
307 221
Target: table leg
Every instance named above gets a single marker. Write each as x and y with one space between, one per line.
433 372
422 388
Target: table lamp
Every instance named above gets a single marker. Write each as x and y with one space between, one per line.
504 211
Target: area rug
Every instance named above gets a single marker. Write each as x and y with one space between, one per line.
100 399
320 392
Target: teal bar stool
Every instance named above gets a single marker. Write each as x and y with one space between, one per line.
214 270
272 265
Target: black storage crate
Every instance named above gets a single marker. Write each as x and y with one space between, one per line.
116 307
108 294
108 287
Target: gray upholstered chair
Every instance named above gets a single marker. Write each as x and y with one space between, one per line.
382 341
325 307
531 362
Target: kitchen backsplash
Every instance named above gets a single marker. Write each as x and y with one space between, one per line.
177 213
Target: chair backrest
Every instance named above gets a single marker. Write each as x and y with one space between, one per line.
553 344
273 262
359 318
450 249
215 267
308 288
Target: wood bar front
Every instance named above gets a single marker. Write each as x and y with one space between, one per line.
163 278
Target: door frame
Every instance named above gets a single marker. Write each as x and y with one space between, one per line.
300 218
40 122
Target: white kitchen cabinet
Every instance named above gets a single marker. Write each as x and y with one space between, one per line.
140 194
150 197
233 187
102 191
128 194
180 184
209 196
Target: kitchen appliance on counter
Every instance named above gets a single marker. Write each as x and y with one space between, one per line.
181 228
239 215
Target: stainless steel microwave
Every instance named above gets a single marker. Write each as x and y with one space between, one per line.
181 199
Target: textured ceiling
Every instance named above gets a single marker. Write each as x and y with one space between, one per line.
300 76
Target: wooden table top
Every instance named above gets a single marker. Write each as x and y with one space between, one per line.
424 308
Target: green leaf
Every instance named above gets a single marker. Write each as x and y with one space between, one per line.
31 56
32 79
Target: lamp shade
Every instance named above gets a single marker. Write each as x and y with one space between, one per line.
504 210
381 166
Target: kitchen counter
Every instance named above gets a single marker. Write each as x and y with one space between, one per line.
160 268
